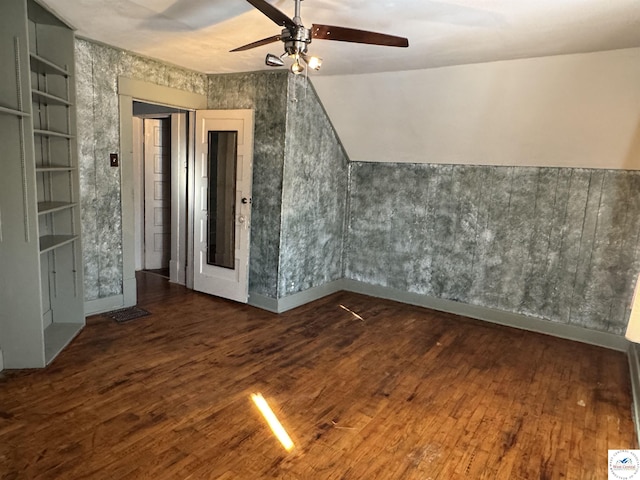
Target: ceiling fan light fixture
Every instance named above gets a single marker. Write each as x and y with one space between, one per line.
297 67
273 61
297 38
314 63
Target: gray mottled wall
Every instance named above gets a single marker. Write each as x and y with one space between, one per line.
266 93
314 195
299 182
97 70
557 244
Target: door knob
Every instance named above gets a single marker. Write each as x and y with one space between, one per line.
243 221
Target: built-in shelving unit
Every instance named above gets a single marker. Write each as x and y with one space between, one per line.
46 99
39 193
51 242
11 111
51 133
43 66
51 207
54 168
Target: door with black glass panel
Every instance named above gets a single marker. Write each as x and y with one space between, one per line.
222 202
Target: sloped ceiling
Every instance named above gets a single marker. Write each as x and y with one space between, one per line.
198 34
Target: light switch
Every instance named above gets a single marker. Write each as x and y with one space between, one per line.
113 158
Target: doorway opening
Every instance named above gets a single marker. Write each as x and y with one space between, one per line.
160 142
130 91
186 194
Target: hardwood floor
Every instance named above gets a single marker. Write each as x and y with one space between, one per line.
402 393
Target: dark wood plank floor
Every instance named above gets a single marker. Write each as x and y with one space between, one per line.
403 393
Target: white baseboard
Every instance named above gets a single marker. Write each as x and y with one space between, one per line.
130 291
262 301
301 298
561 330
297 299
177 273
101 305
129 298
509 319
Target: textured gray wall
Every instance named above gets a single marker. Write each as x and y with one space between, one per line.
557 244
299 182
266 93
97 71
98 68
314 195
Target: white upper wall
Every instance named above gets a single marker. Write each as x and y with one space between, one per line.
579 110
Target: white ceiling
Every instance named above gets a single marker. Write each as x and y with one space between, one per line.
198 34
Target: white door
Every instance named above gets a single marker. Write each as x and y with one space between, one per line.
157 193
222 202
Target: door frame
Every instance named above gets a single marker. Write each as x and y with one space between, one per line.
128 91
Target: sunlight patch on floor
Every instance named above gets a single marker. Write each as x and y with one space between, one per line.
275 425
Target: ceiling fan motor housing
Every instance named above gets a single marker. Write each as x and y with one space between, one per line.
296 38
297 41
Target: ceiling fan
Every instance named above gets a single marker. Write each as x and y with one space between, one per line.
296 37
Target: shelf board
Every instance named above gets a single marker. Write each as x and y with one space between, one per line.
50 242
42 65
50 207
49 133
48 99
54 168
57 336
11 111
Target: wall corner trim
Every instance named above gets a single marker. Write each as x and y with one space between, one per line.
315 293
262 301
297 299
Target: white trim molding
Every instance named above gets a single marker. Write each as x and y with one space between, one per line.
297 299
515 320
102 305
128 90
509 319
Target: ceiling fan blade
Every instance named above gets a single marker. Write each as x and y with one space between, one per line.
258 43
273 13
343 34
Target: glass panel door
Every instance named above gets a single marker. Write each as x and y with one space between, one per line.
223 146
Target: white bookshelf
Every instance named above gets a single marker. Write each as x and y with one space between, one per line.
41 291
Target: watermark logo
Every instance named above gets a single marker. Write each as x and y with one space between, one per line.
624 464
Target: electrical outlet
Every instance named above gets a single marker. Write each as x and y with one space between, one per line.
113 158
